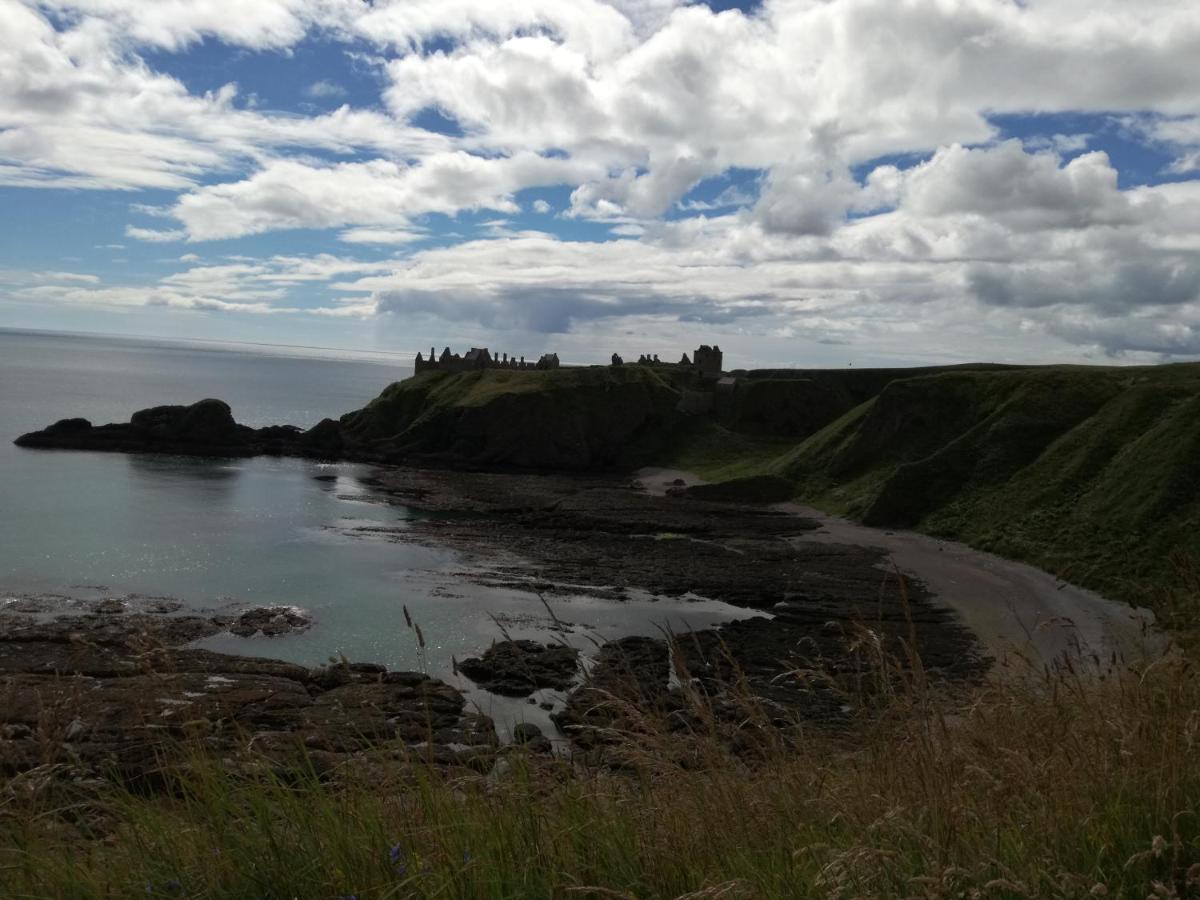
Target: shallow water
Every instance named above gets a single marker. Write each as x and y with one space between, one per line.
225 533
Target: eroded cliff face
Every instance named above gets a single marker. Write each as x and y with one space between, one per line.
566 420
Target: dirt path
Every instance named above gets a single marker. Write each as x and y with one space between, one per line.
1017 611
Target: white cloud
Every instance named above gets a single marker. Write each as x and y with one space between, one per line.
1181 134
154 235
689 101
1017 189
294 194
381 236
324 90
172 24
257 286
77 111
1060 143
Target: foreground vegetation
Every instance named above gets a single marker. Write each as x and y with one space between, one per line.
1063 785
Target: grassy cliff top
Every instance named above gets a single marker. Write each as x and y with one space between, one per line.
485 385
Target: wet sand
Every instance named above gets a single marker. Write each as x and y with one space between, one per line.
1022 615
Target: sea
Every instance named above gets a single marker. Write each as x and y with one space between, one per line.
225 534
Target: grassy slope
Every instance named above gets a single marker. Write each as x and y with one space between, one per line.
1091 473
405 402
1089 789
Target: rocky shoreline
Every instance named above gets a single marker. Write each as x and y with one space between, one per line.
104 688
99 686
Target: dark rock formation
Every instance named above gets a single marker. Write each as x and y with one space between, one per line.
270 621
106 693
629 674
206 428
528 735
518 668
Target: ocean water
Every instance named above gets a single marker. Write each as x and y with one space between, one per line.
229 533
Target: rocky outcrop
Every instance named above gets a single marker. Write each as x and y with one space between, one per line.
206 428
106 692
518 668
270 621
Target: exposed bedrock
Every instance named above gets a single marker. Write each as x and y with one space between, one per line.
103 692
518 668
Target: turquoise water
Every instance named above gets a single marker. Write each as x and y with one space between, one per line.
226 533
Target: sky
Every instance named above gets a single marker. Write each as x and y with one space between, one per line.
803 182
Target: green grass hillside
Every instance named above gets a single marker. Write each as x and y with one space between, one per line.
1091 473
561 419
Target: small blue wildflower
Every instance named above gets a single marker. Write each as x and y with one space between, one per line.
467 857
395 853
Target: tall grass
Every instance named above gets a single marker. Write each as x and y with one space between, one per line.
1068 784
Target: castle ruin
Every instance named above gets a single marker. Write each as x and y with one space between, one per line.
479 358
706 361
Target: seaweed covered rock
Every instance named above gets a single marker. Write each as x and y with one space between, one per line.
518 668
270 621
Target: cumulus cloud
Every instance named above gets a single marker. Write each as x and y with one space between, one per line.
293 194
1015 188
1181 134
1157 335
172 24
883 203
77 111
1148 279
